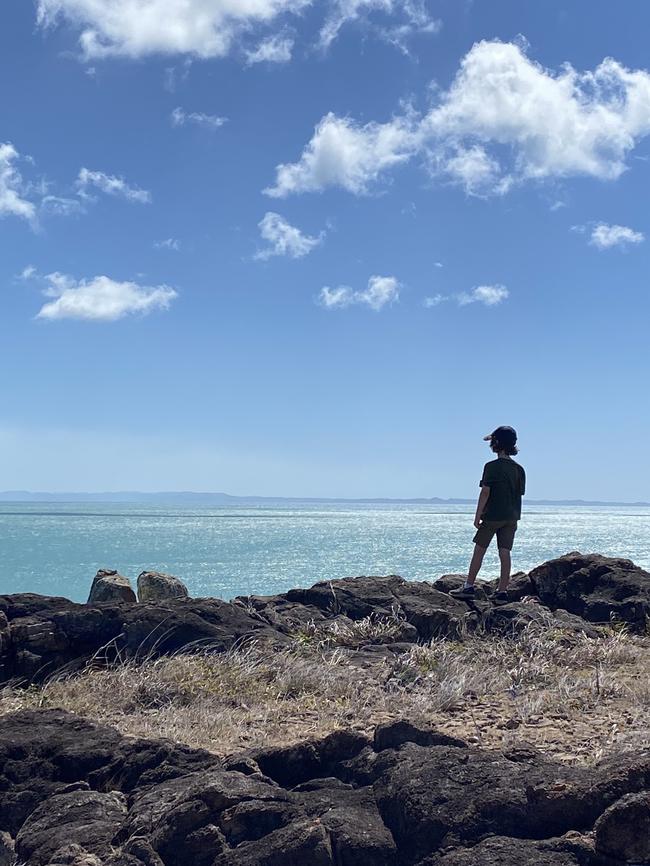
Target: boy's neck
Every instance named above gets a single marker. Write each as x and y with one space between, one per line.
503 455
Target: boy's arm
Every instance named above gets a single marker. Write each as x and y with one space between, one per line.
480 507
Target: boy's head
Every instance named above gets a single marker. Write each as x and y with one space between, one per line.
503 439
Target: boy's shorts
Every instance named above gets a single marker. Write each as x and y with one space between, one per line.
503 529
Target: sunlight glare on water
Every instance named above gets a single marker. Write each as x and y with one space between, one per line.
55 549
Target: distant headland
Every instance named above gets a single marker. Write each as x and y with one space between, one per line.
192 498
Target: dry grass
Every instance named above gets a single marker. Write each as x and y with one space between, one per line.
343 632
575 697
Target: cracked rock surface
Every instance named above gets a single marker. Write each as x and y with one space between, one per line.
73 792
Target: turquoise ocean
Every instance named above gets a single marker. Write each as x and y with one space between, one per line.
56 548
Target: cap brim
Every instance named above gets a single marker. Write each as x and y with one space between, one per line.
487 438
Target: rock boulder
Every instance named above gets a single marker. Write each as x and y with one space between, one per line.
85 816
155 586
623 830
108 585
596 588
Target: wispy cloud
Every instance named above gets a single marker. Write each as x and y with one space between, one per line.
434 301
60 205
173 75
179 117
274 49
28 272
168 244
381 292
110 185
101 299
490 296
13 201
606 236
283 239
412 17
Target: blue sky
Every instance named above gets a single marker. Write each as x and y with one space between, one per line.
321 248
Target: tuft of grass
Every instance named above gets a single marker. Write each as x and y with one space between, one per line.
573 696
344 632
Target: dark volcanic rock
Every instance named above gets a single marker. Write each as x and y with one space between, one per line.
520 586
292 765
431 612
395 734
78 794
433 794
623 830
302 843
353 823
41 753
449 582
82 816
514 617
595 588
503 851
45 634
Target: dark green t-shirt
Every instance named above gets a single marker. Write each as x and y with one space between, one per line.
507 482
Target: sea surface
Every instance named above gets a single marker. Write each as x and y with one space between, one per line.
56 549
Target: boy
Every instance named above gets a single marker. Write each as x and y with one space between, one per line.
498 510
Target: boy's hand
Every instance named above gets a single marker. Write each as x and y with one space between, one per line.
477 522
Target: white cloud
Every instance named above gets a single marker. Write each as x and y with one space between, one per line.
434 301
284 239
488 295
504 120
413 18
28 272
168 244
342 153
101 299
274 49
12 196
61 206
474 169
136 28
340 297
606 236
110 185
555 124
210 121
380 292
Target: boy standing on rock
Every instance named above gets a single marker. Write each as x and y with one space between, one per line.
498 510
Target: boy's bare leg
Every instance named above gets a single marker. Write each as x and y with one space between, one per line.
506 565
475 564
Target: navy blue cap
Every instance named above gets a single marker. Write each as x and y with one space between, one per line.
504 436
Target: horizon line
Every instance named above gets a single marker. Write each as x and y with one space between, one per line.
117 495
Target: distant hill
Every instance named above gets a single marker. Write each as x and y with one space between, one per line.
190 498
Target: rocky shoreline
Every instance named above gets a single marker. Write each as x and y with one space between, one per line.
77 792
41 635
